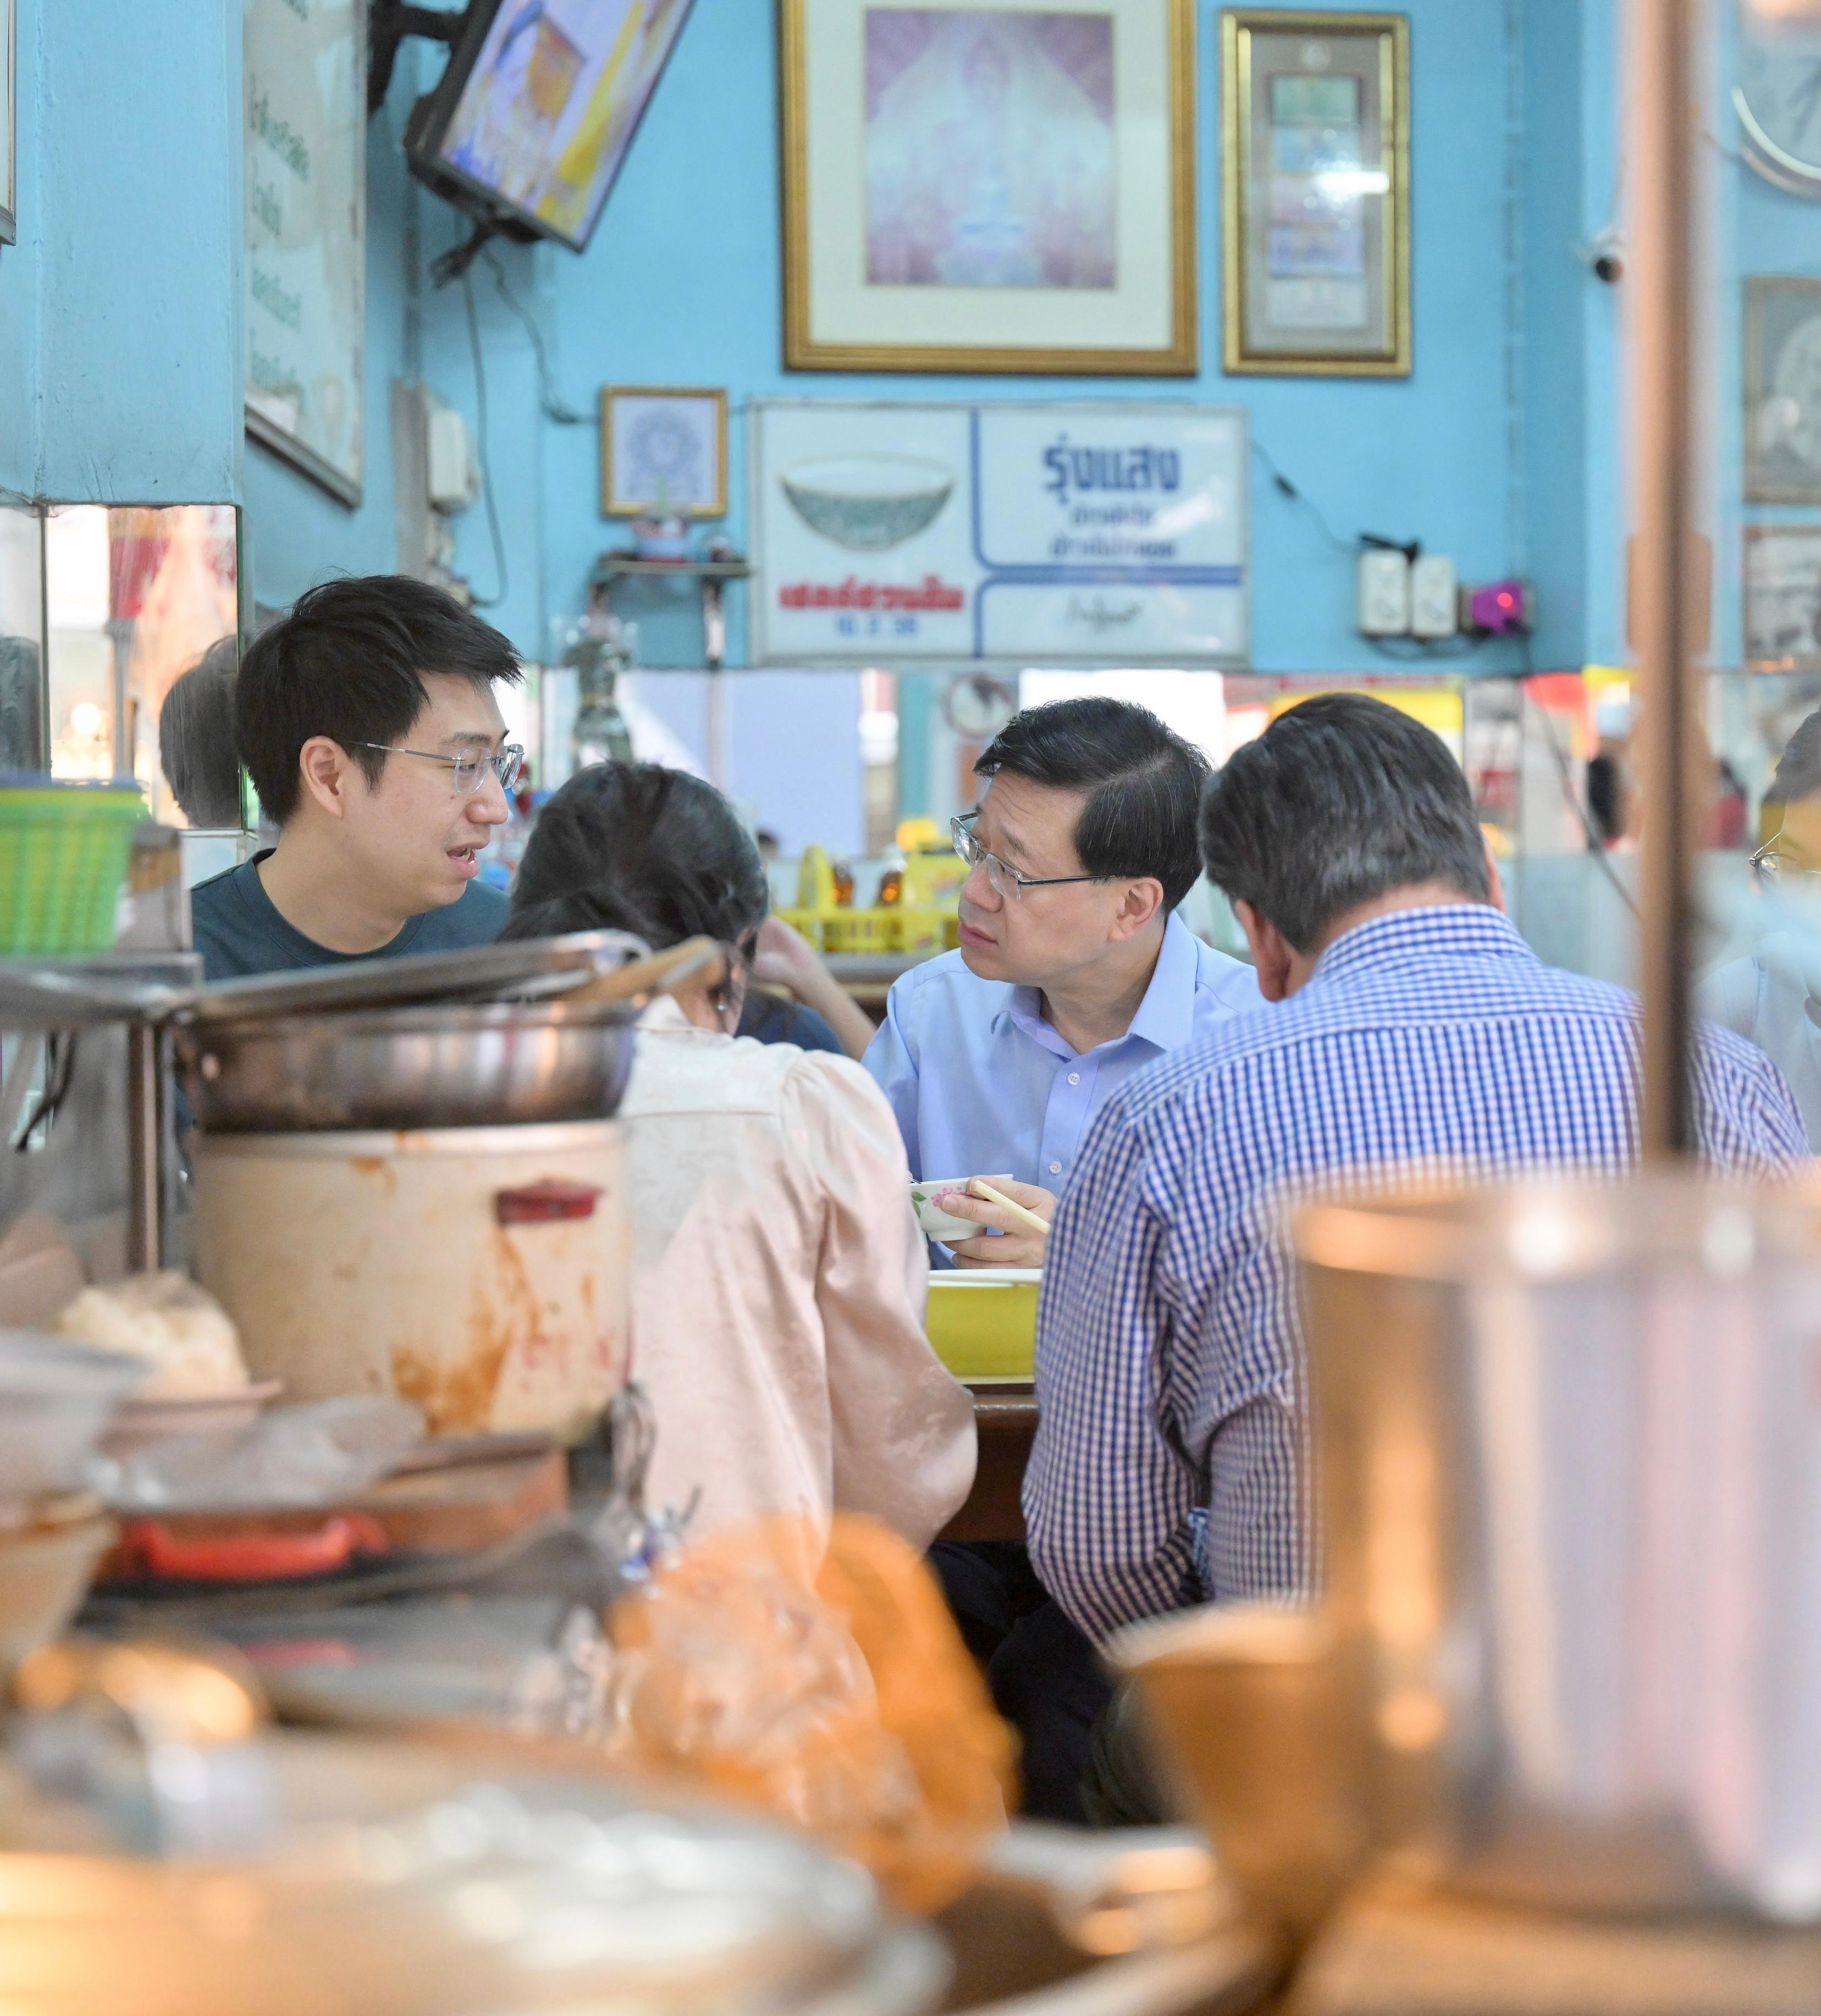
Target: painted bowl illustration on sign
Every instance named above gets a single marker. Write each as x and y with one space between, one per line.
868 501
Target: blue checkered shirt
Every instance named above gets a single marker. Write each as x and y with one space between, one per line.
1168 1466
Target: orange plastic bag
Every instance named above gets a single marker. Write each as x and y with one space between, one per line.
828 1688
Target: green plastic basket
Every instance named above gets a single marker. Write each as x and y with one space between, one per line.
64 850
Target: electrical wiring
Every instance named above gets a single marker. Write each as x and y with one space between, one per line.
499 568
552 408
1286 489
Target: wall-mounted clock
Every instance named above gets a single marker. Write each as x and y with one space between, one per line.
1778 97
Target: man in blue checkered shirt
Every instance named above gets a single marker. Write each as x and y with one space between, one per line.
1413 1028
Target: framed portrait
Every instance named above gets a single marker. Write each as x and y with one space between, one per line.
1782 598
306 198
1782 358
1315 193
999 187
663 449
9 122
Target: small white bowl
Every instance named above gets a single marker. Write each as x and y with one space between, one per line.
137 1424
936 1223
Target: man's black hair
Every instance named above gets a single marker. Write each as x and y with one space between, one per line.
348 663
1798 769
195 738
633 846
1341 799
1143 782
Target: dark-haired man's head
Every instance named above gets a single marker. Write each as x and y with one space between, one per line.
1088 818
195 738
633 846
350 713
1789 820
1342 809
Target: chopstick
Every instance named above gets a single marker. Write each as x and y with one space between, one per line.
983 1188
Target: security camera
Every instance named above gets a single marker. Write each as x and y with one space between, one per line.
1605 256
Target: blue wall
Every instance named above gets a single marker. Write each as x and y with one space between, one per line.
119 306
119 324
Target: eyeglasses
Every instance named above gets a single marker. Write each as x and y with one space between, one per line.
1002 877
1773 871
465 773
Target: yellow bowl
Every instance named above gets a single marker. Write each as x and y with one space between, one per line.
983 1321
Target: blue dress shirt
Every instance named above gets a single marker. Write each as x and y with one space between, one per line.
980 1083
1168 1467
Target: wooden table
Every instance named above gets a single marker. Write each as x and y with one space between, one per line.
1007 1418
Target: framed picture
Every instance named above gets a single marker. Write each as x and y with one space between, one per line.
1782 390
1004 187
1315 193
663 449
1782 598
9 122
305 196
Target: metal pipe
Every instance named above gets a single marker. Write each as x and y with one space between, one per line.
145 1138
1666 585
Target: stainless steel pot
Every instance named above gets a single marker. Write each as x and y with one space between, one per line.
431 1064
1569 1440
447 1064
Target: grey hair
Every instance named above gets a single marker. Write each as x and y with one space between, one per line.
1342 799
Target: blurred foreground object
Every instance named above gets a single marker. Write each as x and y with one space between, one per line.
1569 1655
839 1698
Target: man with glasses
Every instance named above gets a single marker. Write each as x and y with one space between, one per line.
1073 971
368 721
1073 974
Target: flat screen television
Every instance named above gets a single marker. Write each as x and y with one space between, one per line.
529 122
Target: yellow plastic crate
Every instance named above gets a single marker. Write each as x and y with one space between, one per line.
982 1322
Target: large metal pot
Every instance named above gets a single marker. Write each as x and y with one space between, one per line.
444 1064
430 1064
1569 1439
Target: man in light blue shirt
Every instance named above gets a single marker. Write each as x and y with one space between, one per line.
1074 972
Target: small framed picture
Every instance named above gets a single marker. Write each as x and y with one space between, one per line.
664 451
1315 192
1782 598
1782 357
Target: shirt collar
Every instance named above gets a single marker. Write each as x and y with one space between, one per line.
1463 929
1166 1016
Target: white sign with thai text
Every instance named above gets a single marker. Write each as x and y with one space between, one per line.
306 87
1113 532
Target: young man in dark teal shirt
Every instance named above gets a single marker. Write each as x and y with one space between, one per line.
367 722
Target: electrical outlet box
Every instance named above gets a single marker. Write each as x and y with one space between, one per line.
454 475
1384 594
1433 596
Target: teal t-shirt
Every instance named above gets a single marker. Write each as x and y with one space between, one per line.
238 929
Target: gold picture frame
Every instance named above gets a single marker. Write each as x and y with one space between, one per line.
684 430
842 320
1316 280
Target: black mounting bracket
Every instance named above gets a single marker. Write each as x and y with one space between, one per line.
389 23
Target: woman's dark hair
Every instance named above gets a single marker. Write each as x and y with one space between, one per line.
1142 781
1341 799
633 846
195 738
348 662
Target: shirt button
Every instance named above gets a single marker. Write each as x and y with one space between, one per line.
1074 1078
1056 1169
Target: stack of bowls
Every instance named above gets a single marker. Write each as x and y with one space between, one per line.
55 1400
